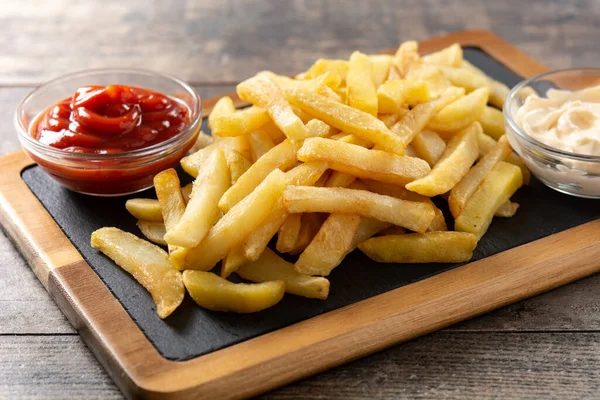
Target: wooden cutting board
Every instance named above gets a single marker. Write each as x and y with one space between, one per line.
202 354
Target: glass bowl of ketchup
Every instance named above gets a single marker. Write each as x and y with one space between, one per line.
108 132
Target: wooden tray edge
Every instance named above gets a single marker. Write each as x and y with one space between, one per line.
305 348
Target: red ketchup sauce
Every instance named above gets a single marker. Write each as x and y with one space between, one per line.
111 120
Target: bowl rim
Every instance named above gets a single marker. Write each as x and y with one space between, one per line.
196 118
508 117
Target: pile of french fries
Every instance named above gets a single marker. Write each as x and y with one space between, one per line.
345 155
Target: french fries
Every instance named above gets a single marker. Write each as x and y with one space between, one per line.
461 153
497 188
202 211
348 154
361 93
363 163
237 223
411 215
430 247
218 294
271 267
147 263
462 192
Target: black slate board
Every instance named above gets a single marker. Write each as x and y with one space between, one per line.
192 331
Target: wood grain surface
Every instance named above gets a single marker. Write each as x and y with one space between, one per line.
540 348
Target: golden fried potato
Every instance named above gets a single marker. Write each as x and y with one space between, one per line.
203 141
260 144
192 163
389 119
363 163
405 58
492 122
498 91
361 91
392 230
148 264
487 143
438 83
451 56
215 293
186 192
318 128
153 231
497 188
415 216
202 211
322 66
461 113
329 246
288 233
223 108
345 118
460 154
233 260
381 64
507 210
304 174
429 146
261 91
462 192
430 247
235 226
282 156
392 190
271 267
144 209
238 165
394 95
330 79
274 133
464 78
239 123
310 225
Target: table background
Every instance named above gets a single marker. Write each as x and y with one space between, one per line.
547 346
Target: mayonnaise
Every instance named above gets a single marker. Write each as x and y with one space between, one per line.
564 120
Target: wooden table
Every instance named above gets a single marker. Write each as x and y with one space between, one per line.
547 346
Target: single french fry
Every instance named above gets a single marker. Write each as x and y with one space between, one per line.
415 121
241 122
462 192
235 226
345 118
451 56
389 119
238 165
153 231
304 174
492 122
433 75
406 56
260 143
271 267
223 108
497 188
464 78
461 113
203 141
233 260
311 223
430 247
329 246
439 222
288 233
507 210
318 128
202 211
193 163
498 91
282 156
274 132
392 96
144 209
212 292
172 205
149 265
460 154
361 93
487 143
415 216
429 146
363 163
381 67
330 79
261 91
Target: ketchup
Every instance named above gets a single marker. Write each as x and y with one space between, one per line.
111 119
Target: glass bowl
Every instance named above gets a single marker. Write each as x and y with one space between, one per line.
107 174
567 172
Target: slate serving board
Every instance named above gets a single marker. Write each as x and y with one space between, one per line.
192 331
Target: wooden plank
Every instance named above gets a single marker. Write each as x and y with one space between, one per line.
441 366
192 40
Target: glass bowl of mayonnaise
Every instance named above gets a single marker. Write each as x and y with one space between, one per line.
553 122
